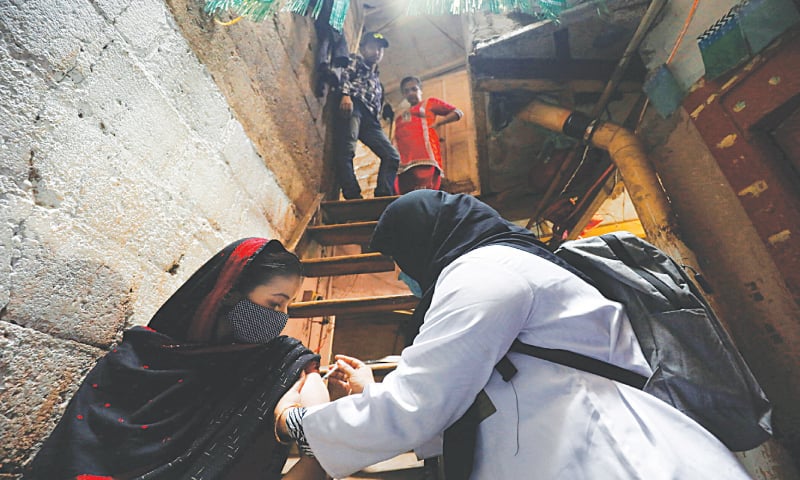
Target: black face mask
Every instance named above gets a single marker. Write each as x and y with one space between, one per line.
252 323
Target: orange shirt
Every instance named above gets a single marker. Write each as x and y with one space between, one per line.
416 141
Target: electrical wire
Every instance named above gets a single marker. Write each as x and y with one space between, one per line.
677 44
228 23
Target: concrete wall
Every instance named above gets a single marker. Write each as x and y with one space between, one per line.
687 65
124 165
748 289
751 293
265 71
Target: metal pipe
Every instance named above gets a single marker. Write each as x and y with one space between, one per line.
653 10
627 153
642 30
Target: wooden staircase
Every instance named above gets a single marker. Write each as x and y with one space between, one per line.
340 232
349 222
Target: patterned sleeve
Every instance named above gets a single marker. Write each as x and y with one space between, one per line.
294 424
440 107
345 85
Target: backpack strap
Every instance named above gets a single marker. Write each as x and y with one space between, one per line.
618 248
574 360
505 368
460 438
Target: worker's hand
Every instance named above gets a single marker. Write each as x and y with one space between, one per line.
337 388
346 105
352 375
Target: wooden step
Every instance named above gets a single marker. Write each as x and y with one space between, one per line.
355 210
358 233
347 265
347 306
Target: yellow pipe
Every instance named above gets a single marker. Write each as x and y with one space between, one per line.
627 153
649 198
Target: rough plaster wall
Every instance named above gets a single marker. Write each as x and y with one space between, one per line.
265 71
122 169
256 72
510 155
483 27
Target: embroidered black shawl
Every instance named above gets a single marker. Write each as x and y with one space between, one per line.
169 403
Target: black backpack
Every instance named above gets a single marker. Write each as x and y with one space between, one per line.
696 367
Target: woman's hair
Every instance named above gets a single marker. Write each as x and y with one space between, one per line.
266 266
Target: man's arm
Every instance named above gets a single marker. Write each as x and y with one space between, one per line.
346 87
345 83
451 117
346 105
445 112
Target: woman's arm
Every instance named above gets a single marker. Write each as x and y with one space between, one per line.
309 390
477 311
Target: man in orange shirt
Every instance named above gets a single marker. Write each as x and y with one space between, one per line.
417 140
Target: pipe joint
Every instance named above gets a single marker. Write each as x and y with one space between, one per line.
590 129
576 125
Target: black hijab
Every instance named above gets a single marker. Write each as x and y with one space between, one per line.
170 403
426 230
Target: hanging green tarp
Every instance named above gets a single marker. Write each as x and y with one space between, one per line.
540 8
257 10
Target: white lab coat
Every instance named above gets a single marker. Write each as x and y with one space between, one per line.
552 422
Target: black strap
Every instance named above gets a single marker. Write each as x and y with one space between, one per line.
618 248
459 445
460 437
581 362
505 368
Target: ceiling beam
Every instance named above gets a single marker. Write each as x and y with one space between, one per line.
544 85
577 14
551 69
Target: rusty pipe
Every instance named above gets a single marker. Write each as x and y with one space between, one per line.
626 151
644 187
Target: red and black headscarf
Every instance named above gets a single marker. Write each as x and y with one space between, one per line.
170 403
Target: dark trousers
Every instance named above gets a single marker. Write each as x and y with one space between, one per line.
363 125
